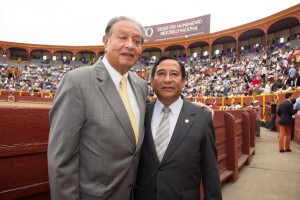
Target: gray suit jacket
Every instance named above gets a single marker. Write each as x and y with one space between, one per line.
92 152
190 156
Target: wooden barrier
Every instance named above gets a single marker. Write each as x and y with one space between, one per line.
24 139
26 98
23 160
22 96
242 136
252 121
297 128
246 149
227 163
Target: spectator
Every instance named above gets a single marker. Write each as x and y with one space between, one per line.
273 116
257 110
286 122
296 80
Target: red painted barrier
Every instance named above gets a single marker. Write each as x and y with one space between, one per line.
225 142
25 98
297 128
24 138
23 160
242 136
252 122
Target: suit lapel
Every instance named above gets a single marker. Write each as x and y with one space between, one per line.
109 91
182 127
149 142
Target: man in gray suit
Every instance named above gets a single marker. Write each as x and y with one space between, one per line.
94 143
179 148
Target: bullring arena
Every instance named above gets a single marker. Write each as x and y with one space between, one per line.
250 167
25 104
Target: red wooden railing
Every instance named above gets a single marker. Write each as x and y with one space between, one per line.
24 138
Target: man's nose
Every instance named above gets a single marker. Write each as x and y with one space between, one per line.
129 43
167 77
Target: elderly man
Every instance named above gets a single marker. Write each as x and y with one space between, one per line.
97 121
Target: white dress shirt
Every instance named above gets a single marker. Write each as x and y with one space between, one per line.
116 77
297 104
173 116
267 89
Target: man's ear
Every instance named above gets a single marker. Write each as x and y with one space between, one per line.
184 83
151 81
105 40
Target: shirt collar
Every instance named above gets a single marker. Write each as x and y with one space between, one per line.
114 74
175 106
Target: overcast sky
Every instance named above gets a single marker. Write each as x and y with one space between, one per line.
82 22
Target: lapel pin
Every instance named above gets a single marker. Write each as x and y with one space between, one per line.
186 121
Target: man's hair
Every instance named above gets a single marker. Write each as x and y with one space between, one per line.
288 95
113 21
167 58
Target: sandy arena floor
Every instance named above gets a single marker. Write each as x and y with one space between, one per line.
26 104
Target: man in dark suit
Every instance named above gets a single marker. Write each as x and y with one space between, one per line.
286 122
273 107
173 167
96 136
296 81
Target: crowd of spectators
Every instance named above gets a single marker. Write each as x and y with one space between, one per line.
32 78
260 75
257 73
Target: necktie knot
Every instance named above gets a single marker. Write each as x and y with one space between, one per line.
123 81
166 109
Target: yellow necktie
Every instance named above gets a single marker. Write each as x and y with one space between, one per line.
126 101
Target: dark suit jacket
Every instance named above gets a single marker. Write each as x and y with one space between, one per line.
190 156
285 113
297 82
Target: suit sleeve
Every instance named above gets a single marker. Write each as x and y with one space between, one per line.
279 112
210 172
66 119
292 110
